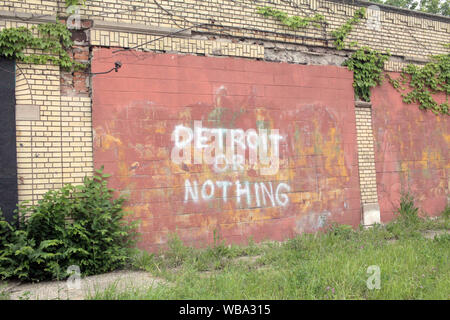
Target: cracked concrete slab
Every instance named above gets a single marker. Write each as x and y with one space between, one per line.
60 290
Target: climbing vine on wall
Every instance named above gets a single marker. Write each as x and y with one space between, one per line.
75 2
367 66
293 22
52 39
432 78
296 22
341 33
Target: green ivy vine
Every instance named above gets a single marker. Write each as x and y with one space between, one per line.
293 22
296 22
367 66
342 32
53 39
432 78
75 2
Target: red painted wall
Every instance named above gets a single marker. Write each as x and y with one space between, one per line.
136 110
411 152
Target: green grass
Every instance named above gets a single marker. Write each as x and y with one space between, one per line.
331 265
4 294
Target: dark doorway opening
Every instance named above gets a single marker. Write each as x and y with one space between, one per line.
8 158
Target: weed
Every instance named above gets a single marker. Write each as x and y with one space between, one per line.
446 212
177 252
408 212
4 293
25 296
142 260
330 265
341 231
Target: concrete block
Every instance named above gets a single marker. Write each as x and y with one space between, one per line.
27 112
370 214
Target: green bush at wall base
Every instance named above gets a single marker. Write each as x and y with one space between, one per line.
76 225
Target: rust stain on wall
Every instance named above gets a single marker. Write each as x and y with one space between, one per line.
137 111
411 153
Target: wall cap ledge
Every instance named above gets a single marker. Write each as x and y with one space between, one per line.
136 28
363 104
26 17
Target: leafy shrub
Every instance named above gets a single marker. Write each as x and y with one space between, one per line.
76 225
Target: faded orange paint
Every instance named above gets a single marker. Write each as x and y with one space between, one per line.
136 110
411 153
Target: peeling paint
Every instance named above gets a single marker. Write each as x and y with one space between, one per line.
412 153
316 180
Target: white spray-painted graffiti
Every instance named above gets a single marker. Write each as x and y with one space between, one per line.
209 148
263 192
225 150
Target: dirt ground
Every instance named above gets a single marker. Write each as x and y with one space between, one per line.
61 290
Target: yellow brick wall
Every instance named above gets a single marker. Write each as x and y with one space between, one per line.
366 156
36 7
38 141
179 45
402 34
77 153
405 35
57 148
